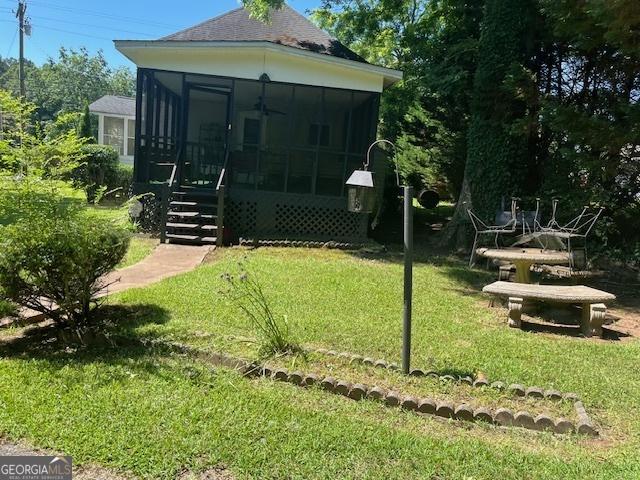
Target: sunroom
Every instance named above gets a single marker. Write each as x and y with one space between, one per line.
266 121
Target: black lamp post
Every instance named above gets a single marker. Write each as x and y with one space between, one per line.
361 199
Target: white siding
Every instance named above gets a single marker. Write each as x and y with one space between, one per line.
250 63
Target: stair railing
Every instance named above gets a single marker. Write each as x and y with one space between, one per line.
220 193
167 192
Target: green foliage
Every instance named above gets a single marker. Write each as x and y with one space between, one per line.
434 43
30 199
24 150
59 261
246 292
261 9
63 124
7 308
497 155
69 82
119 186
99 170
85 129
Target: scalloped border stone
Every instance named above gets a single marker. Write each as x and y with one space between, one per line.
502 416
361 391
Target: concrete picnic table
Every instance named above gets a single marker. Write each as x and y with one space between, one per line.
523 258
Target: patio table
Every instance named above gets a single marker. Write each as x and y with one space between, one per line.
523 258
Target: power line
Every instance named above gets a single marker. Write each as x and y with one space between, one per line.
94 13
105 27
72 33
13 40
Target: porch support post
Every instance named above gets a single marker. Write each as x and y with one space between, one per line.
163 214
220 217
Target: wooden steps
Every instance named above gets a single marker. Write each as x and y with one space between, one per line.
192 217
175 238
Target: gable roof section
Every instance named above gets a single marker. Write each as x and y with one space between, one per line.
287 27
115 105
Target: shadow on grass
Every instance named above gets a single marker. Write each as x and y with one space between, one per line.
115 341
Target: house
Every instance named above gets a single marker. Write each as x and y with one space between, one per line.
116 124
253 128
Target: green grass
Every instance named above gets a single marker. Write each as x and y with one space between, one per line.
139 248
153 413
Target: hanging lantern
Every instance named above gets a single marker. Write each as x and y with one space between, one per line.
361 194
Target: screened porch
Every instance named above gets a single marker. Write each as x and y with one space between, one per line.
286 149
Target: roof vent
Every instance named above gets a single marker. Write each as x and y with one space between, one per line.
264 78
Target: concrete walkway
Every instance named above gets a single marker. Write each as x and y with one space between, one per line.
166 260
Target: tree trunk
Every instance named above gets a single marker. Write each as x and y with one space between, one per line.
497 146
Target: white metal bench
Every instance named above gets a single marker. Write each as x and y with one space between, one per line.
591 299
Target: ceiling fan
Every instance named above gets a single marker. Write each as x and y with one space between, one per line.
260 106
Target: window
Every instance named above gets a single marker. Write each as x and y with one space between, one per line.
337 114
322 131
306 113
113 133
330 173
251 131
131 136
271 169
300 171
362 122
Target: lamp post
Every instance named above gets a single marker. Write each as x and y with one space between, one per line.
361 199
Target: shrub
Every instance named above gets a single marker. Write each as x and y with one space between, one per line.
34 199
59 261
119 186
7 308
98 170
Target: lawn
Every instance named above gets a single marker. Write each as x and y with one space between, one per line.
154 413
139 248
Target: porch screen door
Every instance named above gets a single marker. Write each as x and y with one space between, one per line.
207 136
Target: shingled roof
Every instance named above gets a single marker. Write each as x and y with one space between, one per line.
287 27
114 104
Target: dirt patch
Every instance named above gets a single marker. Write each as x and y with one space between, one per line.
85 472
215 473
96 473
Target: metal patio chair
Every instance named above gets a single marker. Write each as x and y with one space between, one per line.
506 223
576 229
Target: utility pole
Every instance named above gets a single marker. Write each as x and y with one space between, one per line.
22 8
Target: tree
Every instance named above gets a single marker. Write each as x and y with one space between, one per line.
434 43
24 150
260 9
85 129
68 83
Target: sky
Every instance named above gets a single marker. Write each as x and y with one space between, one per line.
93 24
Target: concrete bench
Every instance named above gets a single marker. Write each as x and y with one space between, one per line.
591 299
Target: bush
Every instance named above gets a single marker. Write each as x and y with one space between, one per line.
100 168
7 308
34 199
119 187
59 261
